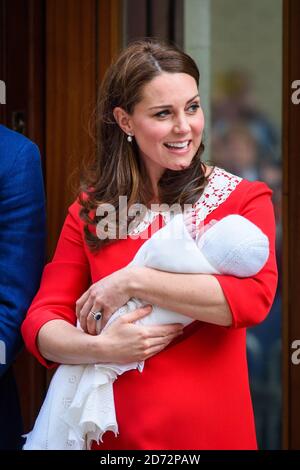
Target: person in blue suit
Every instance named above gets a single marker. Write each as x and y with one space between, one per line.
22 250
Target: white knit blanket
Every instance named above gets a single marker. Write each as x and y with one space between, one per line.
79 406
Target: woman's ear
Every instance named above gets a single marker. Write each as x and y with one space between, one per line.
123 120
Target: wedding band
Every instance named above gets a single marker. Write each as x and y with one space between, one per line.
96 315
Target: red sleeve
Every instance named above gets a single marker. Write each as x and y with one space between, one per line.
63 282
250 299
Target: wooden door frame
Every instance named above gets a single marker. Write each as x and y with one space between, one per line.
94 36
291 224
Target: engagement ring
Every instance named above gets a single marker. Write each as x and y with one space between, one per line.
96 315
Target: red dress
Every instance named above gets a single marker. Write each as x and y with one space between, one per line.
194 394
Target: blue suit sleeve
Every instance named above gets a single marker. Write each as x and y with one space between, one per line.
22 245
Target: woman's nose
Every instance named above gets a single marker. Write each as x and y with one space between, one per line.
182 126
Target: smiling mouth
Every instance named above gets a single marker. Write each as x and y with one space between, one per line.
178 145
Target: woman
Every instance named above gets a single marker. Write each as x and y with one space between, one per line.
194 391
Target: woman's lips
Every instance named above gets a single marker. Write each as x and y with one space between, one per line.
178 150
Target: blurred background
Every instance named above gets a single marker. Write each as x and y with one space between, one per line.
53 54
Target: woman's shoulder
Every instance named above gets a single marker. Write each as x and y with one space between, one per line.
218 176
75 207
250 193
227 190
80 215
74 210
254 188
221 178
221 183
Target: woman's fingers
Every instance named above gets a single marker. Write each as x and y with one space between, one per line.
154 350
151 352
193 233
189 217
161 340
164 330
155 337
84 314
91 323
85 305
137 314
190 223
81 301
157 331
130 342
106 295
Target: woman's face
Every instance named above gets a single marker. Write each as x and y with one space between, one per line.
168 123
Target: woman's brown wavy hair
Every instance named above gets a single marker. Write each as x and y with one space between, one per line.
117 169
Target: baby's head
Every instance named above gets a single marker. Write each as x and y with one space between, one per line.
234 246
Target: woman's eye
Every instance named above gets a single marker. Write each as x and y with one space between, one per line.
162 113
194 107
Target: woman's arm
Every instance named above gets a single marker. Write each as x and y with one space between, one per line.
49 328
59 341
198 296
122 342
219 299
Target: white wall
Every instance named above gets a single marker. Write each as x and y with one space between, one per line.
249 34
197 44
225 34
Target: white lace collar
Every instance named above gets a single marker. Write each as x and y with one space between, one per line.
220 185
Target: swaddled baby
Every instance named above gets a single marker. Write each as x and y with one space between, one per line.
79 406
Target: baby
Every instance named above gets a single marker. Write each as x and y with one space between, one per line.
79 406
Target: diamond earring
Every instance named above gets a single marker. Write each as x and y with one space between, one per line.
129 138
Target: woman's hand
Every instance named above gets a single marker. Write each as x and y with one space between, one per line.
124 342
189 218
106 296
